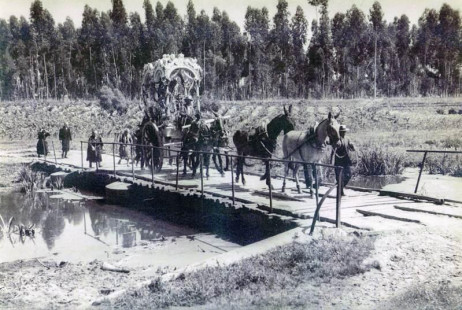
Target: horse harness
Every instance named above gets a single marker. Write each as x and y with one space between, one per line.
311 139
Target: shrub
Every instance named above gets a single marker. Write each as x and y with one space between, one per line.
112 100
444 164
452 143
30 180
379 161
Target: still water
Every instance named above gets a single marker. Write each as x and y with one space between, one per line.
74 227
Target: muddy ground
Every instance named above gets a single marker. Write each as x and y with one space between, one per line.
408 261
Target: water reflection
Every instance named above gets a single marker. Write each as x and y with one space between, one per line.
376 181
78 228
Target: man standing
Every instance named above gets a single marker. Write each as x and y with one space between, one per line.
65 137
342 157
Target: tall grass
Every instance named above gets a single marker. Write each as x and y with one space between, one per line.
446 164
30 180
380 161
283 268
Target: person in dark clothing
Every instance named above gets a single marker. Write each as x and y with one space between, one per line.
95 146
42 144
65 137
125 139
342 157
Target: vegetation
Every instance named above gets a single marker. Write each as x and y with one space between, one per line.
379 161
283 268
437 296
30 180
354 54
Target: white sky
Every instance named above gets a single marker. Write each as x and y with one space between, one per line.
60 9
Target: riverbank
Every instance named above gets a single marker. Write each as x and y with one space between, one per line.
404 267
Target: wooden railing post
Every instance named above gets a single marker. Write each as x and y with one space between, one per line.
315 174
232 180
113 158
420 172
177 168
269 186
339 197
81 153
152 165
201 156
54 152
133 160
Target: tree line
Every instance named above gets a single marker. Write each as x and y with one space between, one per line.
354 54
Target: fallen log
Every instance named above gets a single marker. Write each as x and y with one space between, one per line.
109 267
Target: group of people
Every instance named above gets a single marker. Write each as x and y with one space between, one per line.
65 137
94 149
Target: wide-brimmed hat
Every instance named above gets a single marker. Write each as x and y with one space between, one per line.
343 128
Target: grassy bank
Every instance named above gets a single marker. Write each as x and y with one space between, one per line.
382 130
256 282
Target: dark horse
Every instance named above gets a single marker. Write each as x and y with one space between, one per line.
261 143
197 139
220 139
151 138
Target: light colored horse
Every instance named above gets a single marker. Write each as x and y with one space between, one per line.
309 146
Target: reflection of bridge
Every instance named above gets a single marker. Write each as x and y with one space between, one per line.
361 208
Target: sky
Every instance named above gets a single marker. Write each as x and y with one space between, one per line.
60 9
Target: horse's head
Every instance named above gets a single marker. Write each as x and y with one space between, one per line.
333 129
282 122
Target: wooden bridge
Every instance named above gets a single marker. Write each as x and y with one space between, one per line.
365 209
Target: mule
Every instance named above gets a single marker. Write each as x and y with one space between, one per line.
262 143
309 146
151 138
220 139
197 139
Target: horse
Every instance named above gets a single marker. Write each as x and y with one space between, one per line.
261 143
151 138
308 146
197 139
220 139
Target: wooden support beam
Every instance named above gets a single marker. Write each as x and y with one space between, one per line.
412 196
427 211
391 217
277 196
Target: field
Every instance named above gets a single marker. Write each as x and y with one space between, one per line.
382 129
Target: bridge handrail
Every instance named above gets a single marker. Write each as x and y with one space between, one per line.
212 153
425 157
434 151
316 216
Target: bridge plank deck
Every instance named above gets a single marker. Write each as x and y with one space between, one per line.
246 196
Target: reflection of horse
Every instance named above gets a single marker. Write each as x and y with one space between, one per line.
262 142
150 139
308 146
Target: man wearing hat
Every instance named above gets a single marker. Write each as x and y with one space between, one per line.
341 156
65 137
